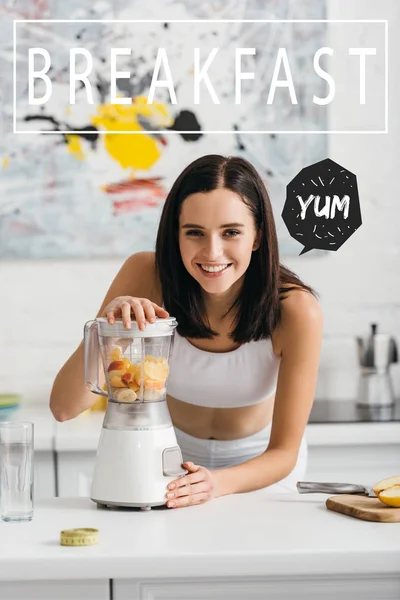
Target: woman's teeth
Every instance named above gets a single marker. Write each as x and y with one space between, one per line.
215 269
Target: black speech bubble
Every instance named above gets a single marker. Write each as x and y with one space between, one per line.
324 179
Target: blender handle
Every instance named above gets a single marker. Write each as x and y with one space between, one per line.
91 354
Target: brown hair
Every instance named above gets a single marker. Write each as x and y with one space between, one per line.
266 279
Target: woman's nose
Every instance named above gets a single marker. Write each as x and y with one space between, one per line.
213 248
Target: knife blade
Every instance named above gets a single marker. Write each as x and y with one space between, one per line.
322 487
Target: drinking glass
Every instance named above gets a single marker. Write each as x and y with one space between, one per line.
16 471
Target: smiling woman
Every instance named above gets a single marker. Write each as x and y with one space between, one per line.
244 362
213 251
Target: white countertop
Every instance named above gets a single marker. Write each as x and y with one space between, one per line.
254 534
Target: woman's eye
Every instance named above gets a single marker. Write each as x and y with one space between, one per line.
193 232
228 233
232 232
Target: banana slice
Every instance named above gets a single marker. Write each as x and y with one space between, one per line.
125 395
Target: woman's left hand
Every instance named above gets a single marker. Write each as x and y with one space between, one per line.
197 487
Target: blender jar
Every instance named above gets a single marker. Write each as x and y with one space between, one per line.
135 362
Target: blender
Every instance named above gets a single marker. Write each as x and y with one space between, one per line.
137 454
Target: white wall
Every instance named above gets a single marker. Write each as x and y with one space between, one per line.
44 305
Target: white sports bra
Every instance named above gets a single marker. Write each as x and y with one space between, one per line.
242 377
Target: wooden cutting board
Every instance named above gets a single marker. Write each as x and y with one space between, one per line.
362 507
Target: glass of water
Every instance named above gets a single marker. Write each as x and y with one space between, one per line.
16 471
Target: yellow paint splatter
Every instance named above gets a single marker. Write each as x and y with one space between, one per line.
74 146
5 162
138 151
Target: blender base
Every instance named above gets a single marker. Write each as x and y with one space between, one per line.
114 505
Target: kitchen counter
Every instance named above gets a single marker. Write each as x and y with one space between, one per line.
254 534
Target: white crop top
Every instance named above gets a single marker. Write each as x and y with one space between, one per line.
245 376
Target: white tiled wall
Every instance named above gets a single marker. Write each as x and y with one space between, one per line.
44 305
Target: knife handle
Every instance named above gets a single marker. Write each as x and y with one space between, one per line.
316 487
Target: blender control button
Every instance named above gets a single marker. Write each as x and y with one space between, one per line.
172 461
79 537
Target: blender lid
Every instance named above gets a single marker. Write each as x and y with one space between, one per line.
161 327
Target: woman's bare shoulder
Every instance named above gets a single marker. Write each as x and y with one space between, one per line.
299 303
300 313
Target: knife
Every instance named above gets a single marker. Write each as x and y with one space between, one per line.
319 487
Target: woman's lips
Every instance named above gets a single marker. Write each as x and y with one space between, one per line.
212 274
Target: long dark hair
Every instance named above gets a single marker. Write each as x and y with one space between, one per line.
266 280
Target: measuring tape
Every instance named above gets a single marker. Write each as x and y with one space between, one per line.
79 537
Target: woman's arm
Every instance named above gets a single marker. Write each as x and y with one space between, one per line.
299 341
69 395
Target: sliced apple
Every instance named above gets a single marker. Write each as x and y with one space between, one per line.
128 378
391 496
116 381
115 374
388 491
385 484
117 365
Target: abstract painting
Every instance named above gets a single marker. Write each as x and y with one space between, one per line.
89 195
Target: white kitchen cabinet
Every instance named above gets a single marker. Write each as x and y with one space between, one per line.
259 588
49 590
74 473
349 463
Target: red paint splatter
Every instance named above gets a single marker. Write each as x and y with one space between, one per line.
152 184
143 193
134 205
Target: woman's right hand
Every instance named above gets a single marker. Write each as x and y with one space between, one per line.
140 308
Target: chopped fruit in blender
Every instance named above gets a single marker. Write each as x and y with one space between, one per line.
155 370
115 374
134 386
150 384
127 363
138 374
125 395
116 353
117 365
160 359
132 368
388 491
117 382
149 395
128 378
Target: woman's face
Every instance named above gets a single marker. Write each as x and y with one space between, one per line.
216 238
